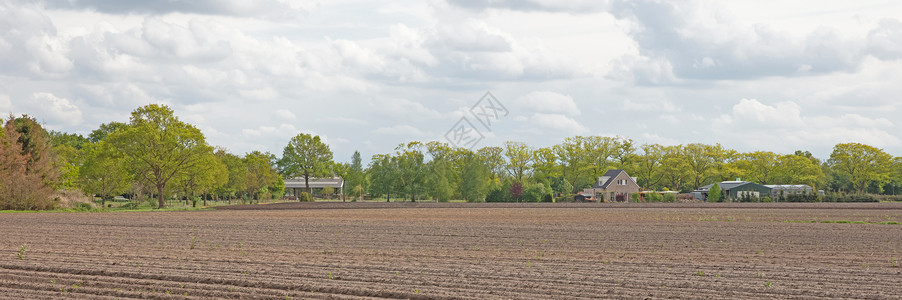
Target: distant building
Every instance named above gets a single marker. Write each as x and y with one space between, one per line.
778 190
733 190
614 185
295 186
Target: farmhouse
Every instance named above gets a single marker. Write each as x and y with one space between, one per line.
295 186
734 190
615 185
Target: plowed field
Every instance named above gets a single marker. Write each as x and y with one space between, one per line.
459 251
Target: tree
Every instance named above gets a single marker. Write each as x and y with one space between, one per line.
237 174
105 130
411 169
28 171
440 176
261 175
104 172
306 155
355 175
493 160
544 165
648 165
516 190
158 146
328 191
674 167
572 157
703 160
762 166
475 178
862 164
383 171
715 194
519 157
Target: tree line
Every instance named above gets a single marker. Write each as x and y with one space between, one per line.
157 155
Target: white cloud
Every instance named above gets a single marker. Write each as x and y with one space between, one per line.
56 110
285 114
557 124
784 125
402 130
549 102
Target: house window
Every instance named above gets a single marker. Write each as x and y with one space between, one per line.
621 182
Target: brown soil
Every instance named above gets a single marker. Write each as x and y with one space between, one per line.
459 251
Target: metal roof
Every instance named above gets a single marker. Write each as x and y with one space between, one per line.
315 183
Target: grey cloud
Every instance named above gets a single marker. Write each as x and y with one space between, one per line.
580 6
241 8
682 34
885 41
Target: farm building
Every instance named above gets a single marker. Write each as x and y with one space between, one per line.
733 190
615 185
778 190
295 186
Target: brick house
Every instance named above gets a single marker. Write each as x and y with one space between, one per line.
614 185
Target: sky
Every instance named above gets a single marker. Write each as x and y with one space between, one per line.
364 75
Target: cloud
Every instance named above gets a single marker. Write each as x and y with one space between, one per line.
885 41
402 130
549 102
702 40
29 43
240 8
784 125
576 6
557 124
285 114
57 111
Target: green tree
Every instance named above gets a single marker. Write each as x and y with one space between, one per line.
306 155
158 146
519 158
411 169
648 165
475 178
761 167
493 159
104 172
715 194
573 159
383 170
674 168
544 165
261 174
105 130
703 162
861 164
237 174
355 175
440 176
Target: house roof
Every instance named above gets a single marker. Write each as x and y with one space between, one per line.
315 183
608 178
729 185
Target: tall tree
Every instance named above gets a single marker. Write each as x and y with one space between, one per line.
703 161
237 174
648 165
493 159
104 172
544 165
202 177
762 166
573 159
411 169
475 178
674 167
105 130
261 174
862 164
28 171
158 146
306 155
383 170
519 158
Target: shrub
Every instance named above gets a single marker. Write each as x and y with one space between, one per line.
653 197
670 197
714 194
840 197
305 197
802 198
767 199
547 198
635 197
534 192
